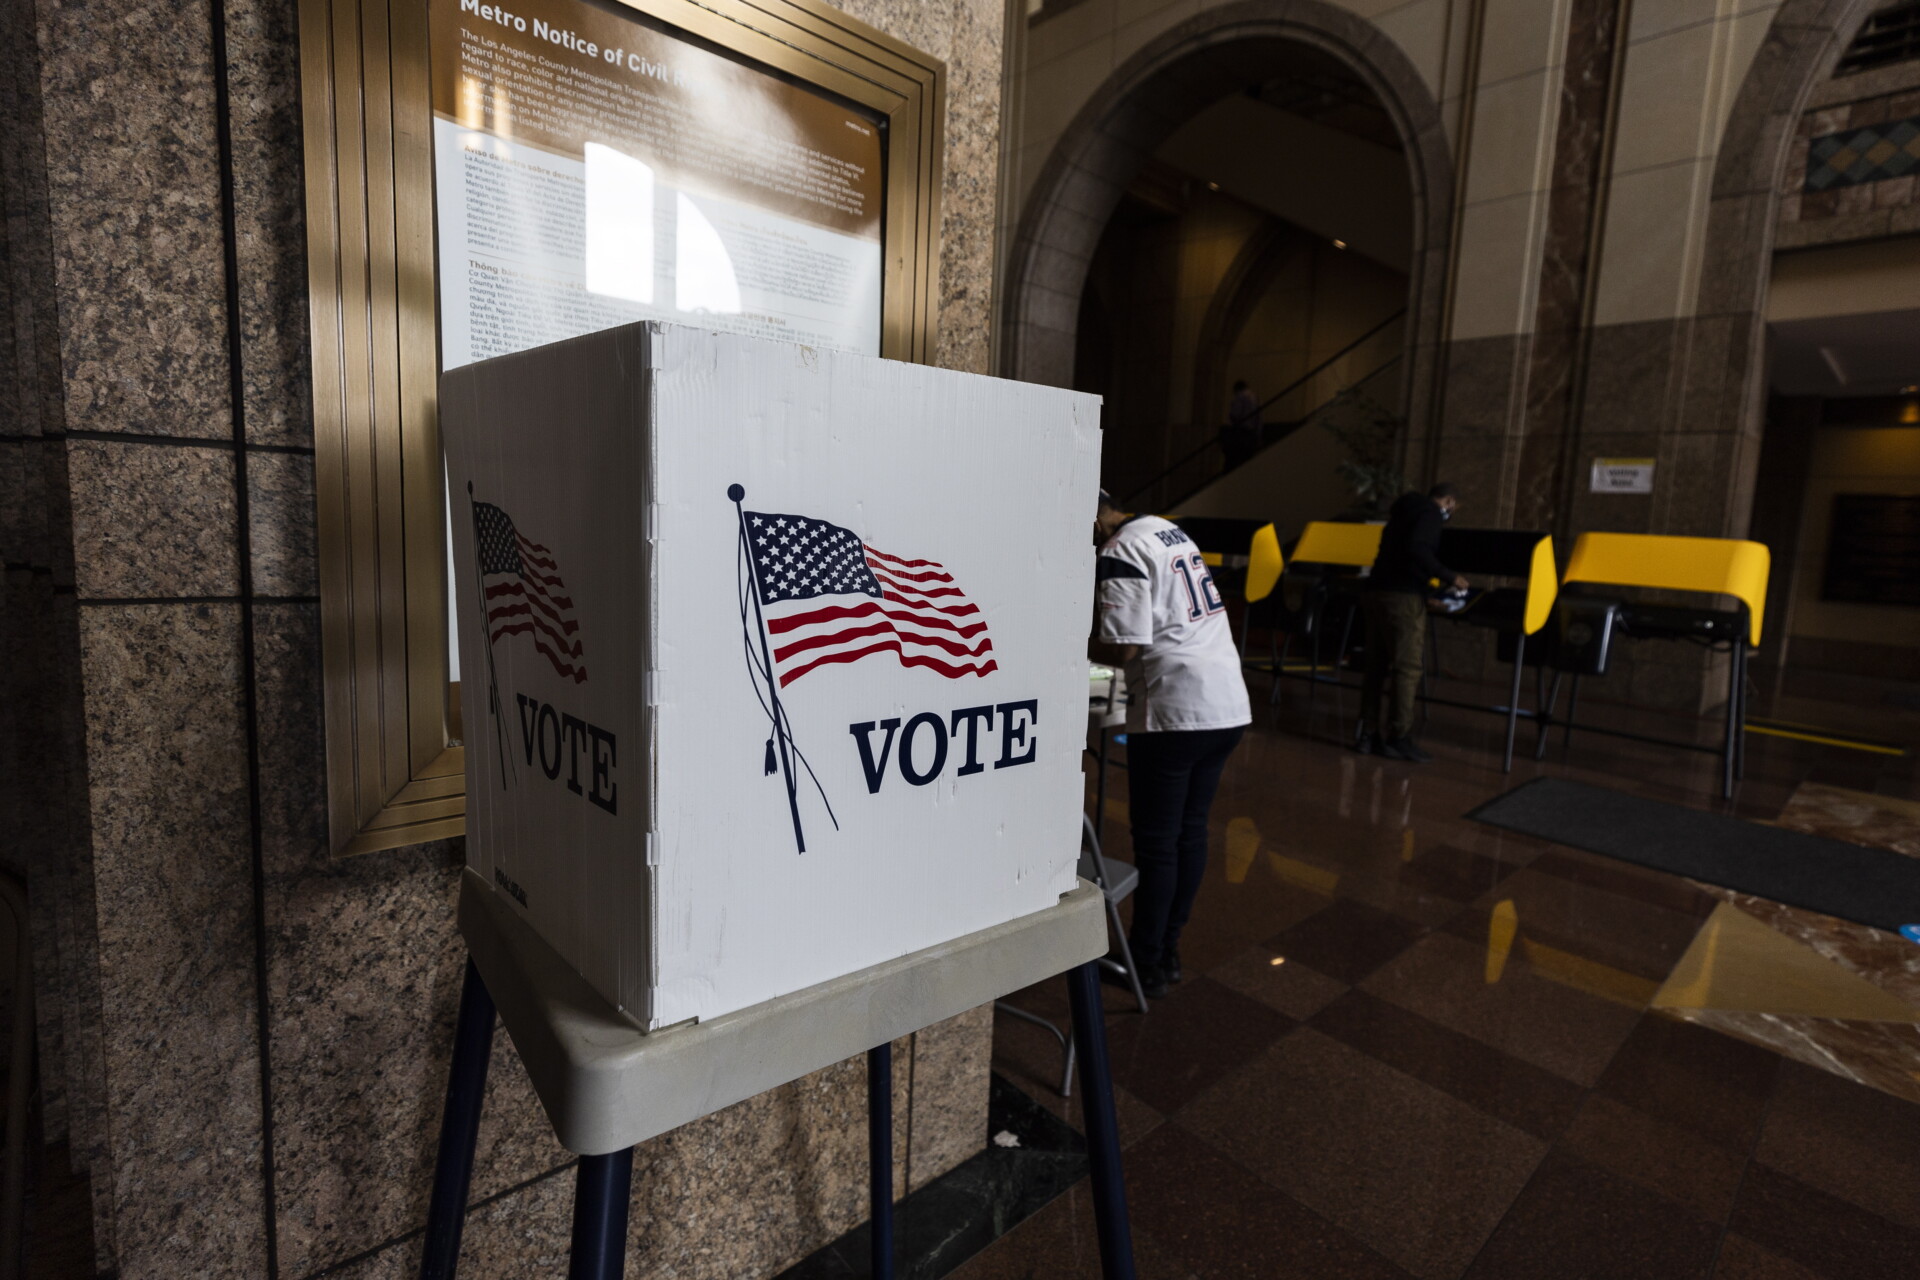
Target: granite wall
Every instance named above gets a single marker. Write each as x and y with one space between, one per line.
243 1040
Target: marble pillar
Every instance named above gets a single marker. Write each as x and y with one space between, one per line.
1555 365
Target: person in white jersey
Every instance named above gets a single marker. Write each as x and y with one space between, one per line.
1160 618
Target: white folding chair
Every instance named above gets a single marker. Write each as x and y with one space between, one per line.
1115 880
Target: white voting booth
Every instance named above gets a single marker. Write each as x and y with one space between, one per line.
774 681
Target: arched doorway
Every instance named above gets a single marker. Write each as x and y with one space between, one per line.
1821 371
1804 41
1233 50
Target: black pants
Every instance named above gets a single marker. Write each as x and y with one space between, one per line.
1396 658
1171 778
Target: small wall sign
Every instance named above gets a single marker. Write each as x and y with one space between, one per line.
1622 475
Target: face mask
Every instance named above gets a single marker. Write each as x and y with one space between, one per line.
1445 514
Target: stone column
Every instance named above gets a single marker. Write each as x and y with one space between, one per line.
243 1039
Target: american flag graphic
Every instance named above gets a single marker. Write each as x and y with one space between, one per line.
829 598
524 594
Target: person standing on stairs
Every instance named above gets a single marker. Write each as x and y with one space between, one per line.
1240 438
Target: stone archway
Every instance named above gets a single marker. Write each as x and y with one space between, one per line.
1186 69
1803 42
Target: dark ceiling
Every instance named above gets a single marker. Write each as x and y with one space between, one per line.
1316 85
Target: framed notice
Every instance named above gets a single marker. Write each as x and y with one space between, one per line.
1873 549
483 178
593 168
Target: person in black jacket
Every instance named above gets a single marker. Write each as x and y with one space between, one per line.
1395 604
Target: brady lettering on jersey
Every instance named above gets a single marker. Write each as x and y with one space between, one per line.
1154 590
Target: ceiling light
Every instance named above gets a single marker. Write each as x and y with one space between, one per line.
1213 186
1339 244
1278 960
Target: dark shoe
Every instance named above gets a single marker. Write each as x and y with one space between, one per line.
1153 982
1171 966
1405 749
1365 743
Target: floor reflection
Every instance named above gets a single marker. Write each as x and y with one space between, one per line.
1412 1045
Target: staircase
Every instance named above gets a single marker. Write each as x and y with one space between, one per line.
1205 466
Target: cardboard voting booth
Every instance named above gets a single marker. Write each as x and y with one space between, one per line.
773 657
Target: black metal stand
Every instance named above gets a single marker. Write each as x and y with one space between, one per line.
880 1157
1513 700
1103 1133
459 1128
601 1194
604 1186
1732 748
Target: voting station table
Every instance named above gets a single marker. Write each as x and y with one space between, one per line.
1591 623
606 1085
1330 554
735 896
1571 633
1516 613
1329 557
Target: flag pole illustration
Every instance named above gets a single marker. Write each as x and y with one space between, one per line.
813 595
493 682
779 741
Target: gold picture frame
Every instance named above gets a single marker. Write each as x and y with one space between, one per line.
396 772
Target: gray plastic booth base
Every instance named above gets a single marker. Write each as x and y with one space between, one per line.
607 1085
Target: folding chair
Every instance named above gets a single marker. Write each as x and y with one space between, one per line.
1115 880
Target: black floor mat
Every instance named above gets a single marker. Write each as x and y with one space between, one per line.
1872 886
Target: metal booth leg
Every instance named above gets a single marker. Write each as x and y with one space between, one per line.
1313 673
1731 748
459 1126
880 1157
1279 652
1573 705
1103 1138
1740 688
600 1198
1546 718
1513 700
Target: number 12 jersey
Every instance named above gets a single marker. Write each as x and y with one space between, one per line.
1153 589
